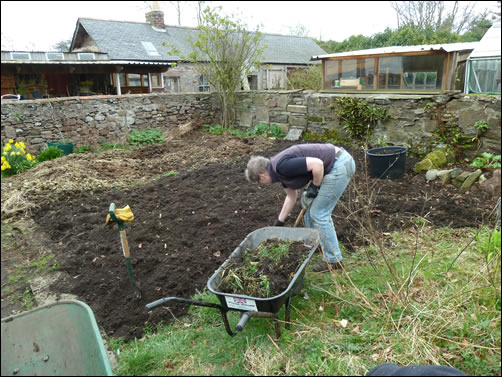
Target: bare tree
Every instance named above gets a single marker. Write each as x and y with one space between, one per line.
224 52
496 14
7 42
454 16
199 7
62 46
299 31
177 7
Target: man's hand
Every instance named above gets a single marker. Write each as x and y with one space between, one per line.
278 222
312 190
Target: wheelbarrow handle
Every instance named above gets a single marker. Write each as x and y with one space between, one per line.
242 322
161 301
222 309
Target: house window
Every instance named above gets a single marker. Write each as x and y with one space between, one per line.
156 80
134 79
356 74
407 72
420 80
150 49
86 56
253 82
172 84
389 76
139 80
20 55
203 84
422 72
54 56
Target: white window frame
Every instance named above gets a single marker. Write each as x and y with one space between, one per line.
54 53
203 85
88 53
27 54
150 48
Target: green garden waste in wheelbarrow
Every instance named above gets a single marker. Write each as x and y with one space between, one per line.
59 339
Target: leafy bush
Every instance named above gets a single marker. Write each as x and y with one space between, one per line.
263 129
487 161
50 153
359 118
145 137
306 78
15 159
215 130
481 126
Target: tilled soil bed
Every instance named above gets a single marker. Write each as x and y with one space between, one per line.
187 225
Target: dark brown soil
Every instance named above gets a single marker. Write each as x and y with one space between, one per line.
186 225
278 273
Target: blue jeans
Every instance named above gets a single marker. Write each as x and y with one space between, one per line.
318 215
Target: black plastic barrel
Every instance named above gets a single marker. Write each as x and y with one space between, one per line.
387 162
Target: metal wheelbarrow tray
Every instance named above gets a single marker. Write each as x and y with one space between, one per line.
59 339
255 306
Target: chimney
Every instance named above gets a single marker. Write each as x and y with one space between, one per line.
156 16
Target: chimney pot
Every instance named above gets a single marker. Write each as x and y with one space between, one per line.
156 19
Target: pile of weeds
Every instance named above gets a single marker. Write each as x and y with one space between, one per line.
265 271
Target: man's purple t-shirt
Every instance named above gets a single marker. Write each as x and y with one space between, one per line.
282 166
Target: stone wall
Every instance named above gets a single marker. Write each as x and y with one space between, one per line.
101 119
96 120
411 117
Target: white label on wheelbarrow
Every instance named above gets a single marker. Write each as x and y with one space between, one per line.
241 303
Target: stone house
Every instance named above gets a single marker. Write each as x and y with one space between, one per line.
150 41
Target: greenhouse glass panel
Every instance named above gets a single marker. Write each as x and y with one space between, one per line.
484 76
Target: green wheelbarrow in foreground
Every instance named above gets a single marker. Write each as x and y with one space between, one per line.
59 339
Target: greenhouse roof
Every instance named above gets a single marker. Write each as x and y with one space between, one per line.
489 45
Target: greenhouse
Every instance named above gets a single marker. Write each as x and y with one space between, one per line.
483 65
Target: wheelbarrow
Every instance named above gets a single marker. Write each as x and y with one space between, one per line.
255 306
61 338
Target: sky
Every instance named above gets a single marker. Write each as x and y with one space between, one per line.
39 25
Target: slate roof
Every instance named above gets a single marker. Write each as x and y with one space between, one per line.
123 41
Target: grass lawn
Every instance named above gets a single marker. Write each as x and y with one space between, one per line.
421 296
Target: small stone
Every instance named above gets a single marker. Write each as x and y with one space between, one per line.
463 176
471 179
455 172
431 175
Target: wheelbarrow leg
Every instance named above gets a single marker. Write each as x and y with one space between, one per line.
287 313
277 326
225 321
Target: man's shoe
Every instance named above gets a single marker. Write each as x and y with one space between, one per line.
326 266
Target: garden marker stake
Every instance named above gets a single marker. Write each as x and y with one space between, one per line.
120 216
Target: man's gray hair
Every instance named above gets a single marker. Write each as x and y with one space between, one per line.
256 165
